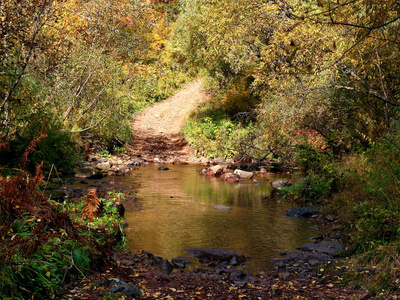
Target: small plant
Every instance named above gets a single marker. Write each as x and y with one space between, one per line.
104 154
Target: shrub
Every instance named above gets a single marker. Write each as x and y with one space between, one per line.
320 179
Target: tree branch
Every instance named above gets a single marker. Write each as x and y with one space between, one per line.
90 127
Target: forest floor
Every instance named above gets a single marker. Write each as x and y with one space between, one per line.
157 129
157 138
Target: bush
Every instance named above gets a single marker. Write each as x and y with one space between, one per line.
321 177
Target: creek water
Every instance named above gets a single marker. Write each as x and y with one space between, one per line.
175 211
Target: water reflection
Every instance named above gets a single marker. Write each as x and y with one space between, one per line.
178 213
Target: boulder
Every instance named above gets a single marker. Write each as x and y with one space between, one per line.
216 255
163 168
244 174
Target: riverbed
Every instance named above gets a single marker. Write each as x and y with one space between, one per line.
175 210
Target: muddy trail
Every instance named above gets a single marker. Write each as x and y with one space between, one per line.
157 129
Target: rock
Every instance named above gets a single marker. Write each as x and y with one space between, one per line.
57 181
120 209
330 218
244 174
85 172
302 259
327 247
228 175
284 275
49 186
221 207
159 263
302 212
119 286
207 172
124 170
163 168
166 267
263 170
232 179
216 254
135 163
237 275
233 274
218 169
181 262
98 175
103 165
279 183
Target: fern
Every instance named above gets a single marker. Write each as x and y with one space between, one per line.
92 205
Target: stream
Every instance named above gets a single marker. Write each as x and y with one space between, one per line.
175 211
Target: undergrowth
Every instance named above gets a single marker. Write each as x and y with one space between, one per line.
225 126
363 190
43 245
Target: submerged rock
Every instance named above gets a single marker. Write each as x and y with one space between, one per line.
221 207
302 212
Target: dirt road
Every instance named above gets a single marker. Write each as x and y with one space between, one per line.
157 129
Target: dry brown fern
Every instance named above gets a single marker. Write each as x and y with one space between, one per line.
92 205
30 149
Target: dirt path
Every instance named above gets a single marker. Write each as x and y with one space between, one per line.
157 129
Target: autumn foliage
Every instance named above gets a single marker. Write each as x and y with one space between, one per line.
92 205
